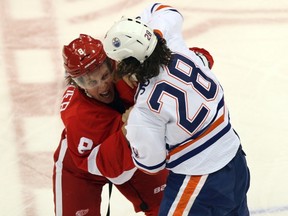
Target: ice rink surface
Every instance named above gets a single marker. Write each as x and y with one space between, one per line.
249 42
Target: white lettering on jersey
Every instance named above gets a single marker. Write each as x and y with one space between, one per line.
66 99
81 51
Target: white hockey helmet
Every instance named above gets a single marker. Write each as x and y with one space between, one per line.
129 37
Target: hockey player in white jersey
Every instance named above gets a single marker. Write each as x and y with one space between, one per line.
180 120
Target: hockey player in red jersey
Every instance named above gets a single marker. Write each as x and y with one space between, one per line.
93 150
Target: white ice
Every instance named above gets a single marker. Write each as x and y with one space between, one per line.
249 42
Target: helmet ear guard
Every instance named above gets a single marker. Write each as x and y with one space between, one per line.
83 55
129 37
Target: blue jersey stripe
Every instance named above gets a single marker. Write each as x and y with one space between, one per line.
149 167
199 149
152 8
171 9
220 105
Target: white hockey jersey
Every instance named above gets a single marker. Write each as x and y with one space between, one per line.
180 120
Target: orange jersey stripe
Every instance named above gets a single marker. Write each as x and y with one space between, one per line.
162 6
157 31
211 128
189 190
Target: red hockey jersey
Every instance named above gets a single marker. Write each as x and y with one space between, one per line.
92 140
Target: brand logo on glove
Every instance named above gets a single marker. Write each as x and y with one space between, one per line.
135 151
116 42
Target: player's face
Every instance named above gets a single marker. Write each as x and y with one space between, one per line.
99 84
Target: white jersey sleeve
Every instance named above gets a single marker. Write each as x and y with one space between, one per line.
148 136
168 21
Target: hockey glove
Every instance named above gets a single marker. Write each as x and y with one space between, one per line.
204 55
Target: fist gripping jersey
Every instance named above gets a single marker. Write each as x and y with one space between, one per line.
180 120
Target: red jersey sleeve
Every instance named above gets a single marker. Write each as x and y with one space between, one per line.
114 155
126 93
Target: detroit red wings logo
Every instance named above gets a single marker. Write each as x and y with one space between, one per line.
82 212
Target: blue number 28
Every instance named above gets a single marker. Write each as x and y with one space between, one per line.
185 71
